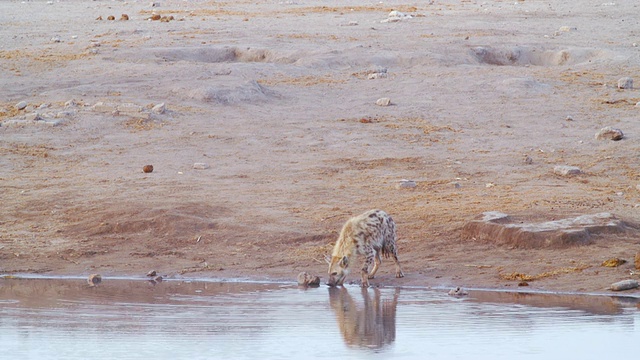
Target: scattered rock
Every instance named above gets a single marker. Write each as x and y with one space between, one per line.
70 104
528 160
614 262
624 285
159 109
500 228
383 102
406 184
32 117
625 83
111 17
124 17
306 279
395 16
99 18
94 279
458 292
152 273
377 75
147 168
565 170
609 133
56 39
155 17
155 4
200 166
21 105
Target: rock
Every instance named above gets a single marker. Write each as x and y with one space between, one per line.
124 17
200 166
155 17
614 262
306 279
609 133
147 168
458 292
406 184
564 170
104 107
377 75
21 105
159 109
528 160
637 260
70 104
94 279
395 16
32 117
56 39
500 228
625 83
111 17
624 285
99 18
383 102
152 273
155 4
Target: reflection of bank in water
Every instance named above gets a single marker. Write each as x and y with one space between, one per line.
370 324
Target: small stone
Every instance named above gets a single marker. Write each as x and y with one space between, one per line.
147 168
94 279
32 117
70 104
528 160
21 105
111 17
624 285
152 273
159 109
383 102
306 279
104 107
99 18
458 292
155 4
565 170
377 75
56 39
43 106
155 17
625 83
200 166
124 17
609 133
406 184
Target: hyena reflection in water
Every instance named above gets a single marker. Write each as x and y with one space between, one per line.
370 234
372 325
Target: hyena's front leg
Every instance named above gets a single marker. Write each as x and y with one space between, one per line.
369 253
376 264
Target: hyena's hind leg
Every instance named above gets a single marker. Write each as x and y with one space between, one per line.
371 257
392 250
376 264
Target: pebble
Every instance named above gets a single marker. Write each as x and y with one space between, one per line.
609 133
377 75
395 16
159 109
70 104
56 39
625 83
565 170
624 285
200 166
124 17
458 292
111 17
383 102
152 273
94 279
406 184
147 169
21 105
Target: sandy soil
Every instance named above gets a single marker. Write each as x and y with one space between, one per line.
275 97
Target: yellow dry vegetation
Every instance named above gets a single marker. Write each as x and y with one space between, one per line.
517 276
308 80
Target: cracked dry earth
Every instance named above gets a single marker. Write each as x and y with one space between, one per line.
278 99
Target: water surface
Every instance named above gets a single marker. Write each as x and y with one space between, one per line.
133 319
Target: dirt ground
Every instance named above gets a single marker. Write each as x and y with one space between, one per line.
278 100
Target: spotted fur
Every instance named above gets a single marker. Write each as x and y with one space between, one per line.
371 234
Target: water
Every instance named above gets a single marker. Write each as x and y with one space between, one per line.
127 319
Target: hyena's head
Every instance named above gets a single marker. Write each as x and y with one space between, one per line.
338 270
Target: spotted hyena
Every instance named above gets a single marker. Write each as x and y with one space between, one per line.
370 234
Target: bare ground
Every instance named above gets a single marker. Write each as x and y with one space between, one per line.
275 98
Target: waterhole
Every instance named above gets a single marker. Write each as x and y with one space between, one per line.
127 319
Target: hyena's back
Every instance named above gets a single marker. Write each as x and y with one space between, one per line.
375 228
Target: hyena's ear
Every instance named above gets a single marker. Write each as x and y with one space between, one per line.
327 259
344 262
